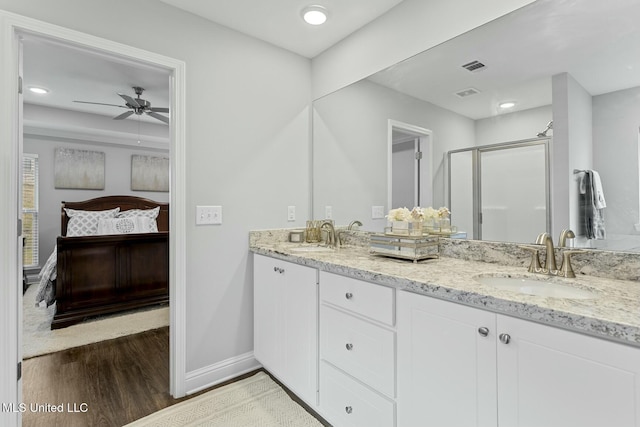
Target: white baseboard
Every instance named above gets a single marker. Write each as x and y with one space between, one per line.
219 372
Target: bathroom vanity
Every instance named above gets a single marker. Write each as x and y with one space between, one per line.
373 341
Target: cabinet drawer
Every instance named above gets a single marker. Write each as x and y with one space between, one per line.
362 349
345 402
367 299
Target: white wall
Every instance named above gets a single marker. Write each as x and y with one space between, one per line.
247 149
409 28
351 148
572 149
514 126
616 121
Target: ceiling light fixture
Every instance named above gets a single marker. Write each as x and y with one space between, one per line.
314 15
38 90
507 104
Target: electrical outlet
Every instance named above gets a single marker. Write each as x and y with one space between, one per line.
206 215
377 212
291 213
328 212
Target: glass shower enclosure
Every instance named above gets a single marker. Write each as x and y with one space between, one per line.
501 192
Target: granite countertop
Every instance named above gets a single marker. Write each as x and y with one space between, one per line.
614 314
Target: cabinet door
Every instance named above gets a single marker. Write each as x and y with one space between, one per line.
300 320
446 364
268 335
285 324
553 377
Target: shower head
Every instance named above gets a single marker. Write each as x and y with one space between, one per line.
544 132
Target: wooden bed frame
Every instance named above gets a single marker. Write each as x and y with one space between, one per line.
104 274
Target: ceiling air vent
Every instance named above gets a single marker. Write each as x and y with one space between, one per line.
473 66
467 92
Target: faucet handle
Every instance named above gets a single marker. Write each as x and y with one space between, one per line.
566 270
535 265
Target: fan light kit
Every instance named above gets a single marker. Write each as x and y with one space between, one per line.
314 15
136 105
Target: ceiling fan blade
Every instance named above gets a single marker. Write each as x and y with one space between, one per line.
158 116
160 109
129 100
123 115
100 103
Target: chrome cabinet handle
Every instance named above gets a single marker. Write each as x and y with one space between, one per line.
349 346
348 409
278 270
505 338
483 331
348 295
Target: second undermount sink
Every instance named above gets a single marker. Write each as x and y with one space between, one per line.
537 287
311 249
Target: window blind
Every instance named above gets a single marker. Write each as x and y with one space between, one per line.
30 256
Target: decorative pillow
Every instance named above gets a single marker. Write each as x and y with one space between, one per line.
85 223
146 213
135 224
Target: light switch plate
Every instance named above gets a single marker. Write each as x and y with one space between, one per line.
377 212
207 215
328 212
291 213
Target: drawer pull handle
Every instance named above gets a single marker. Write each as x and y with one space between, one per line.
349 346
348 295
505 338
278 270
483 331
348 409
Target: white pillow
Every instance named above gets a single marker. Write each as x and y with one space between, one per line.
147 213
85 223
135 224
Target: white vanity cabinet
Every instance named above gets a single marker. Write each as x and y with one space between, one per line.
357 352
285 323
460 366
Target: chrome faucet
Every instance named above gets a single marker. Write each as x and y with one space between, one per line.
550 260
356 222
331 234
550 266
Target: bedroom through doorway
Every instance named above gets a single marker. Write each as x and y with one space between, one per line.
92 133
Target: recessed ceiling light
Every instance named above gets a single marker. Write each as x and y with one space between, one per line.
38 90
507 104
314 15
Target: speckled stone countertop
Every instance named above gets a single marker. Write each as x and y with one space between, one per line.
614 314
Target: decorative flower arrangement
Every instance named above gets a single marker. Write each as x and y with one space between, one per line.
410 222
418 214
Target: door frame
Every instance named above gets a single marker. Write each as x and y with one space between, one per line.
11 25
426 144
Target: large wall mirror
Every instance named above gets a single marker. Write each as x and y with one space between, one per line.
570 68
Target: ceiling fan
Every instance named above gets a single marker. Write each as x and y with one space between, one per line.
136 105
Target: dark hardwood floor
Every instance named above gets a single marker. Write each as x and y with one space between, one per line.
110 383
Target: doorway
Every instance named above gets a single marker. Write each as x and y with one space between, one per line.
410 175
13 26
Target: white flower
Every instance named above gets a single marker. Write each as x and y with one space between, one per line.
444 212
430 213
399 214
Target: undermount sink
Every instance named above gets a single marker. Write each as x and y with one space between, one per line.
537 287
311 249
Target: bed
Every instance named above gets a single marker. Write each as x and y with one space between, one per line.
112 256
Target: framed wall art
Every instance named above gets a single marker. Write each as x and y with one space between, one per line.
78 169
149 173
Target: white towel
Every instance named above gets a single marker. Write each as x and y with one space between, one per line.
598 194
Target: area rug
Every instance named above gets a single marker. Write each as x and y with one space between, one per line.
39 339
256 401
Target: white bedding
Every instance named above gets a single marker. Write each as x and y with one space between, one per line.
45 296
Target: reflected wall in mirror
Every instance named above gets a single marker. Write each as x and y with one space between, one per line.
571 62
